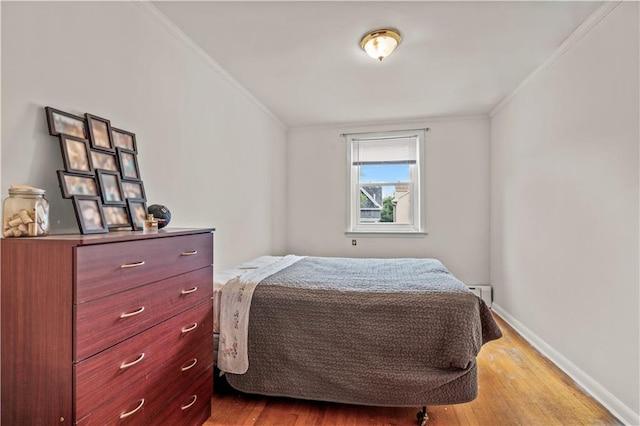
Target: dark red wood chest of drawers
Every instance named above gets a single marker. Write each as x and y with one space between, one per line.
107 329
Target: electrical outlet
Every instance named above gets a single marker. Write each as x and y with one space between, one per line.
354 242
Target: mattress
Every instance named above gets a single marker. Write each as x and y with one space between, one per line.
365 331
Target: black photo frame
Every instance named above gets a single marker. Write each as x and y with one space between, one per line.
89 214
110 188
63 123
101 175
104 161
75 154
137 213
117 217
99 130
128 162
124 139
133 189
77 184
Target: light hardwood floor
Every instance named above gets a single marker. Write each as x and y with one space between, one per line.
517 386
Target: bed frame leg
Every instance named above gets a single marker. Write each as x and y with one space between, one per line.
422 416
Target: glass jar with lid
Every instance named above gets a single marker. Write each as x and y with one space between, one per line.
25 212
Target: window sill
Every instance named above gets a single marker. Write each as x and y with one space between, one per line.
384 234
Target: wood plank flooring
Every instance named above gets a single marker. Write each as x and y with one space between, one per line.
517 386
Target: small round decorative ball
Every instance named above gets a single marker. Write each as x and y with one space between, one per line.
160 212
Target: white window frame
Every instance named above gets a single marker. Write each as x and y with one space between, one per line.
417 225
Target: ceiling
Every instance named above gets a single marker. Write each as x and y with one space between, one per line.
303 60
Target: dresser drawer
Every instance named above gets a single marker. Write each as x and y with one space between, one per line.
192 407
150 396
188 366
136 361
105 269
103 322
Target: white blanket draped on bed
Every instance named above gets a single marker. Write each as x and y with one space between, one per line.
234 315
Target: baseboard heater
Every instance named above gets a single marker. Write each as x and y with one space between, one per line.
484 292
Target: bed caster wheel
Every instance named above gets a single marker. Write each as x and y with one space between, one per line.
422 417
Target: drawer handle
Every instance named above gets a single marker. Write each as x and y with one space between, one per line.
191 290
133 313
132 265
190 366
189 253
190 328
195 398
124 415
132 363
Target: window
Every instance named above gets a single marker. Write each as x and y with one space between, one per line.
385 182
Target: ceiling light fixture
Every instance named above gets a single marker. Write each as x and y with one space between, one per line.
380 43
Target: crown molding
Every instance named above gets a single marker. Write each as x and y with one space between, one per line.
187 41
567 45
415 121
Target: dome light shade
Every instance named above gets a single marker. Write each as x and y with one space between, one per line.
380 43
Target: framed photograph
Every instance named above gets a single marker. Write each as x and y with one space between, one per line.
75 154
128 164
63 123
138 213
104 161
133 190
110 187
101 173
90 215
99 132
117 216
123 139
72 184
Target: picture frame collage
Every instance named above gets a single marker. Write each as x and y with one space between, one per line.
101 174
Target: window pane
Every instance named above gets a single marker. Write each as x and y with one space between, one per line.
402 204
384 173
385 203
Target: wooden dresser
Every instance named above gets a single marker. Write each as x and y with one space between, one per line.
107 329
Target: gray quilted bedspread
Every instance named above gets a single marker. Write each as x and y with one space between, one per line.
386 332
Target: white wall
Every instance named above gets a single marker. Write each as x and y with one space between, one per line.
457 196
564 209
206 149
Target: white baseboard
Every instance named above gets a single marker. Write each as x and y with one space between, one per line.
592 387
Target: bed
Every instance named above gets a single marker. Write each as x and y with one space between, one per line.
383 332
